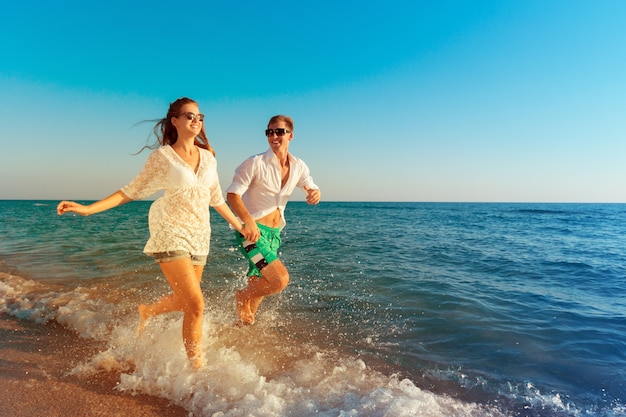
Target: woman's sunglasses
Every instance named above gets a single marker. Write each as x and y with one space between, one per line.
191 116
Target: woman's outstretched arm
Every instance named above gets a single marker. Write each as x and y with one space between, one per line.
116 199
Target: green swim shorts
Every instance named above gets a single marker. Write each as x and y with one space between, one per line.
262 252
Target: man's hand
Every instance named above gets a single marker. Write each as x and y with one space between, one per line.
313 195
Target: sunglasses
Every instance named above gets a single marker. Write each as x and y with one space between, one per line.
191 116
279 132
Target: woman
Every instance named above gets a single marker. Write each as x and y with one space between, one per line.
185 167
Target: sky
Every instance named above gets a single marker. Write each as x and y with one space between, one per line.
434 101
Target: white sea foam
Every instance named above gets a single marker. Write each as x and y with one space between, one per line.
250 371
232 383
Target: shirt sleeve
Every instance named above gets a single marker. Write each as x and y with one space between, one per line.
242 178
305 178
151 179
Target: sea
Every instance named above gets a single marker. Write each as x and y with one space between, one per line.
393 309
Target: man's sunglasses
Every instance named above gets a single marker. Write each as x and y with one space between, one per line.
279 132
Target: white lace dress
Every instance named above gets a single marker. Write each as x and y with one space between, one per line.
180 219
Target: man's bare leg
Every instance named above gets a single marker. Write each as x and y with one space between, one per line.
254 301
243 307
274 278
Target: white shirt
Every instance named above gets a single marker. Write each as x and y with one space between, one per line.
180 219
258 181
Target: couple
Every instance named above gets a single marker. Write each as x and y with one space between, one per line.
184 165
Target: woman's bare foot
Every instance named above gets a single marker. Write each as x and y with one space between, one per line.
197 362
243 308
143 317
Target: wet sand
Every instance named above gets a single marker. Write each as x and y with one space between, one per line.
34 362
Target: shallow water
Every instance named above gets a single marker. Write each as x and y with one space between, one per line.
393 309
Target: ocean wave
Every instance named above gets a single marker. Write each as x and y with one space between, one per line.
250 371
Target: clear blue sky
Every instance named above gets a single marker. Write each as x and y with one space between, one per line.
508 100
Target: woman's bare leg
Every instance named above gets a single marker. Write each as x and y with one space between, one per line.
166 304
184 279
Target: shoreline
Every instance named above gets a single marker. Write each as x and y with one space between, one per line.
34 362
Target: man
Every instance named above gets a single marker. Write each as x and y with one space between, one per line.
259 193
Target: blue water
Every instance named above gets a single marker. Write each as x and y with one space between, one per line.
393 308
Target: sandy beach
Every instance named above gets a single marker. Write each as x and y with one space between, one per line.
34 362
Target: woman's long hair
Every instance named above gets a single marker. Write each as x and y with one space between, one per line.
166 133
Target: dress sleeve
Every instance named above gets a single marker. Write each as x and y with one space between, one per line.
151 179
217 197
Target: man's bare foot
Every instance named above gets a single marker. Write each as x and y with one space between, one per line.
143 317
243 309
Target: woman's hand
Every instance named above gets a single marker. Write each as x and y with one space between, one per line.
251 231
73 207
